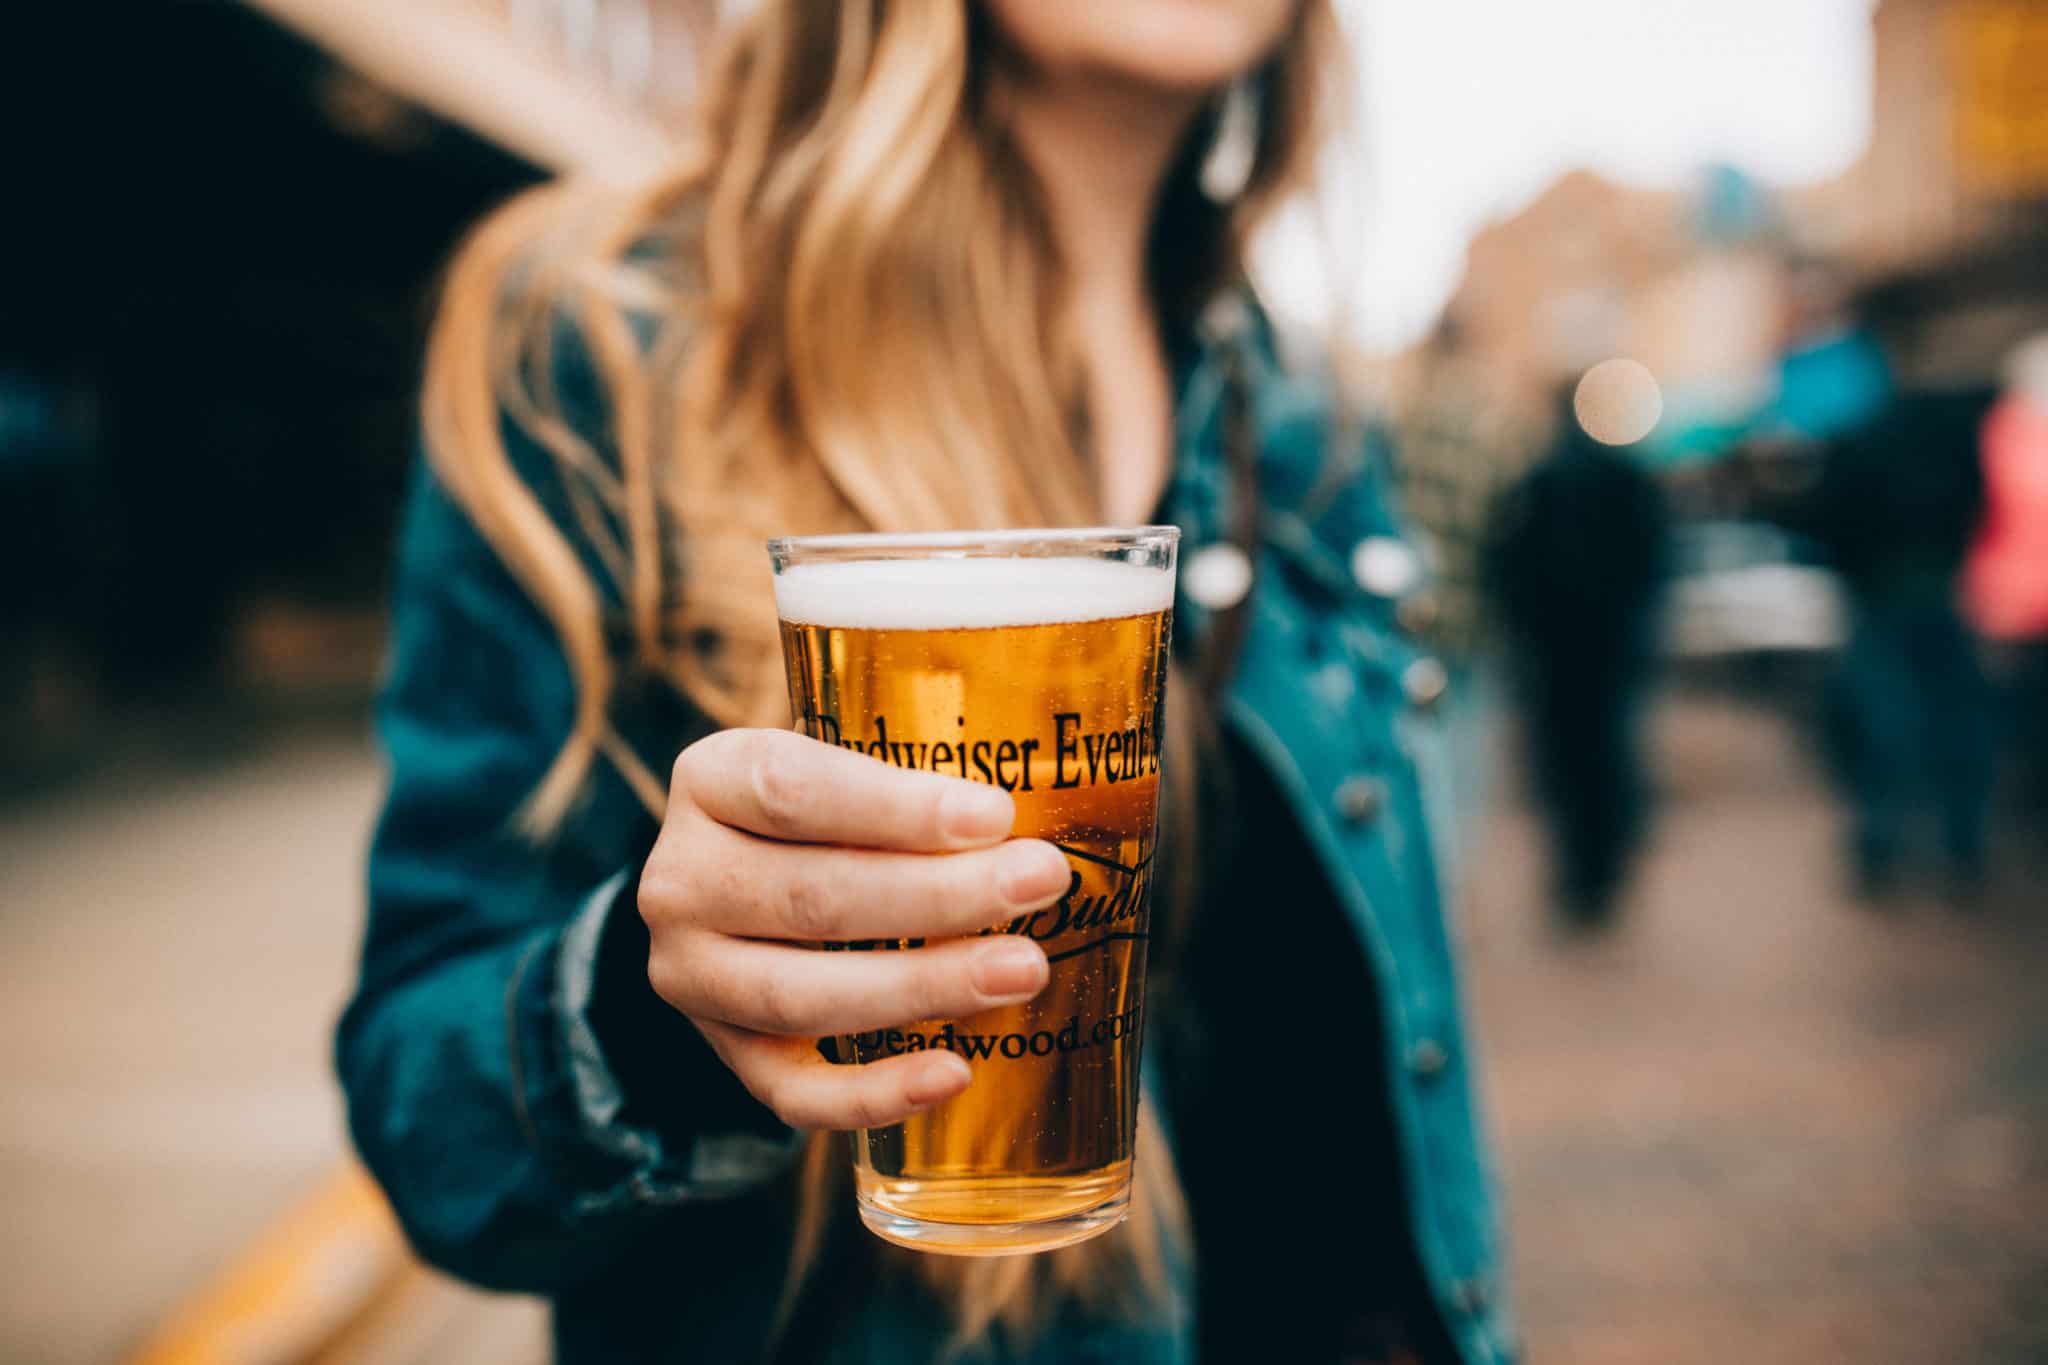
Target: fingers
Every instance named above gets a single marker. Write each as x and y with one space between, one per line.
756 888
772 836
805 1091
791 787
778 989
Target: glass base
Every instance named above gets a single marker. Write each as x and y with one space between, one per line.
956 1218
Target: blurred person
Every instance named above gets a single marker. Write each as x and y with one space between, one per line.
2006 578
1577 563
934 266
1896 507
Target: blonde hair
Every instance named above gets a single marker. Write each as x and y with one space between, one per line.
841 310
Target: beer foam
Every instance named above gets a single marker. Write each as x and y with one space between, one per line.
968 594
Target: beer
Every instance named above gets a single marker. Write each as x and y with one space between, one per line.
1044 674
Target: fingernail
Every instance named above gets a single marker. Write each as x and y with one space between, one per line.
1030 873
972 814
938 1078
1011 969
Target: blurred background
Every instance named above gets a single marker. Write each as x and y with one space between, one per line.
1756 895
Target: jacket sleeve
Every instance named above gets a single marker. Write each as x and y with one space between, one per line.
513 1083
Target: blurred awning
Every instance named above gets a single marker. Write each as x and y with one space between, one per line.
1824 388
469 63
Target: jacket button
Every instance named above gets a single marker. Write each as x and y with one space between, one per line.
1385 567
1469 1296
1427 1057
1418 612
1359 799
1424 683
1224 318
1217 576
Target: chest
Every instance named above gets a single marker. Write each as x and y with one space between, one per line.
1130 411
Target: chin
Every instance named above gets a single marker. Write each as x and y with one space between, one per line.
1173 44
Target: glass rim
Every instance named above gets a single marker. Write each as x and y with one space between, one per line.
893 545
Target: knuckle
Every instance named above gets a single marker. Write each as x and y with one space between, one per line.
938 988
668 890
780 783
655 896
709 761
776 1096
666 978
660 891
783 1093
732 896
809 907
687 770
780 1007
679 976
866 1109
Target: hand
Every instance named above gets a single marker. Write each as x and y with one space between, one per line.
773 840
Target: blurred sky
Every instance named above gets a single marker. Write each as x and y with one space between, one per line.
1471 107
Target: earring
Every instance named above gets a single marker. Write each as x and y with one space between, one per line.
1228 167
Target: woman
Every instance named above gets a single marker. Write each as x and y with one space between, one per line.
941 265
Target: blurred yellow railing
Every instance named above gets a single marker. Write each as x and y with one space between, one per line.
331 1282
298 1290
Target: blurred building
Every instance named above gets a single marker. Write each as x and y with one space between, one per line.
1552 289
225 244
1692 283
1945 221
1959 141
1936 235
222 246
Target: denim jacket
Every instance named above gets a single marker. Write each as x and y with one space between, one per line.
479 1092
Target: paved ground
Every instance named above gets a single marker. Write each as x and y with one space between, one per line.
177 943
1756 1124
1760 1123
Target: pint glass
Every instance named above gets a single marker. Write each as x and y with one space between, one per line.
1036 661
